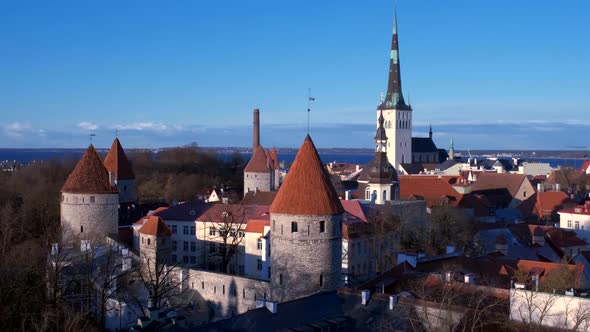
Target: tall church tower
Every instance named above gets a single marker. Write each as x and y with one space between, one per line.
397 114
383 183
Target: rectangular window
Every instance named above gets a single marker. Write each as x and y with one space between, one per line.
577 224
241 234
569 224
268 272
280 278
193 260
273 225
211 231
185 246
202 285
185 259
185 230
193 230
91 199
232 233
293 227
193 246
321 280
259 244
174 258
259 265
174 230
322 226
174 245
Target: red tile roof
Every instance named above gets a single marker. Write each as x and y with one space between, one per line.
578 209
257 226
116 162
551 201
89 176
259 198
150 213
355 209
242 213
487 181
275 158
433 189
307 189
259 162
585 167
542 268
155 226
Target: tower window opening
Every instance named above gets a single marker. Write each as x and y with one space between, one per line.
293 227
322 226
321 280
280 279
81 229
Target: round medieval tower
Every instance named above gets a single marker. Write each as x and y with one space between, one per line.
89 202
155 246
306 230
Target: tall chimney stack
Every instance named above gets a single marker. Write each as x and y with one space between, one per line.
256 135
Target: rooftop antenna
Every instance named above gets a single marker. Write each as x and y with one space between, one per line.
116 132
381 98
91 135
309 100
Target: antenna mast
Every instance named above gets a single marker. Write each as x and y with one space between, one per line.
309 100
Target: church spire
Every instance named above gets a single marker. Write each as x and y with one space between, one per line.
380 136
394 98
430 132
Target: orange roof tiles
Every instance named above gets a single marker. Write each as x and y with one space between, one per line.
487 181
116 162
259 162
551 201
433 189
257 226
155 226
89 176
275 158
307 189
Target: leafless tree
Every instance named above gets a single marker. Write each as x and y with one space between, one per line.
229 222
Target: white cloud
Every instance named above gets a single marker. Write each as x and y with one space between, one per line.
139 126
85 125
16 129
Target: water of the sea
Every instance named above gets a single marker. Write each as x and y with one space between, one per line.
28 155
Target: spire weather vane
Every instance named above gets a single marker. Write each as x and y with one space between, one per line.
91 135
309 100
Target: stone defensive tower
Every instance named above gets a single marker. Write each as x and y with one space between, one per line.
120 170
155 246
397 114
306 230
89 202
258 174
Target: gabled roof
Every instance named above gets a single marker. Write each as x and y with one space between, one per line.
259 198
487 181
423 144
188 211
259 163
241 213
89 176
307 189
433 189
116 162
155 226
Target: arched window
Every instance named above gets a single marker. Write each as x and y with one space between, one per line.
385 195
368 193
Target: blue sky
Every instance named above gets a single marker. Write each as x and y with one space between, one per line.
497 74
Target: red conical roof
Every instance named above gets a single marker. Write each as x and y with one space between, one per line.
258 163
155 226
275 158
307 189
89 176
116 162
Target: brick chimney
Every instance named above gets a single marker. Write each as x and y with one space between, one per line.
256 134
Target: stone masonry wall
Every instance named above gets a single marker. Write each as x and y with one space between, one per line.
97 218
226 294
262 181
126 190
299 260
